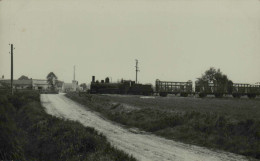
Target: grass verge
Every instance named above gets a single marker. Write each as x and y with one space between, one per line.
28 133
208 128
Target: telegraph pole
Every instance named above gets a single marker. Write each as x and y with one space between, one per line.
136 70
74 73
12 69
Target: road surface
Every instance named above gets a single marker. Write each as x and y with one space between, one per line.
144 147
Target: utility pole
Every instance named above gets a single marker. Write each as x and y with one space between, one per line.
12 69
74 74
136 70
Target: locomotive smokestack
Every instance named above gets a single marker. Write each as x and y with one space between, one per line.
93 79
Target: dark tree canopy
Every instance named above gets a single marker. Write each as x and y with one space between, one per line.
23 77
213 76
83 85
51 78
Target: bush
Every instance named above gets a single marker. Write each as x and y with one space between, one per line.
10 147
208 129
28 133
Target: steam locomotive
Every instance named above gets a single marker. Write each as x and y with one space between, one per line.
123 87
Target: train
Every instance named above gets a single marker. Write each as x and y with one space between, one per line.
184 89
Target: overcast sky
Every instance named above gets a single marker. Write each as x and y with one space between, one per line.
174 40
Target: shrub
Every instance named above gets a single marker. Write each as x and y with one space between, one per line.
207 128
28 133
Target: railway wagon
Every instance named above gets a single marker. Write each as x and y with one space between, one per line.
204 89
235 89
239 90
163 88
123 87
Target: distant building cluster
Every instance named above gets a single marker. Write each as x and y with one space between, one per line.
71 87
40 84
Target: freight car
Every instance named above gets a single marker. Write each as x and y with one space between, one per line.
163 88
123 87
239 90
235 89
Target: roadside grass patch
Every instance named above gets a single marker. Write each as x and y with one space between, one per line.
209 128
28 133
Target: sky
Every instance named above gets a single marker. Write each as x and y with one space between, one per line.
173 40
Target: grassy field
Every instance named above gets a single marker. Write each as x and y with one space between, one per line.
238 109
227 124
28 133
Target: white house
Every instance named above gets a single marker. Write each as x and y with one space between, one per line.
70 87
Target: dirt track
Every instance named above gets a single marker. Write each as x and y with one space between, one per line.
145 147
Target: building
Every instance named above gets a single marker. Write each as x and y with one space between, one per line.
70 87
40 84
59 85
35 84
17 84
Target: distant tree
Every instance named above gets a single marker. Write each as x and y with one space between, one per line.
215 76
23 77
83 85
51 79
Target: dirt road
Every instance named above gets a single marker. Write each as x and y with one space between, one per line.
145 147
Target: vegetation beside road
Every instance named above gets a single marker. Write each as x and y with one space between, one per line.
220 124
28 133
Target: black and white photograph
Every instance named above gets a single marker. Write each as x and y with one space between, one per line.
129 80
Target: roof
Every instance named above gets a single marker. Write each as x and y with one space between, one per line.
39 82
30 82
17 82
